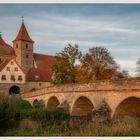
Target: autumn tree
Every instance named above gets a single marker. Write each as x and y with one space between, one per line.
96 61
81 75
64 70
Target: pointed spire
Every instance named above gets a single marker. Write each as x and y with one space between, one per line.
22 19
23 34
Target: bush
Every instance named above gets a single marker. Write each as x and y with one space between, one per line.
10 107
42 113
23 104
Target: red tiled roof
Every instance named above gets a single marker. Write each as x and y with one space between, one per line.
38 74
6 49
2 65
2 42
23 34
44 68
44 61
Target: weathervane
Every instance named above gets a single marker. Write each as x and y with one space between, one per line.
22 17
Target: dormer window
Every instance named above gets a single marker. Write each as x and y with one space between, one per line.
36 76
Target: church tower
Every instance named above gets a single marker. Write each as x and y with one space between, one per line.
23 47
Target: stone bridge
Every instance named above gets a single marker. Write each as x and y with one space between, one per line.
122 97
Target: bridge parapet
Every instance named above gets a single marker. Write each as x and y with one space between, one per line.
107 85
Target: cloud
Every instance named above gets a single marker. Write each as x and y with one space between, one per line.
52 27
127 65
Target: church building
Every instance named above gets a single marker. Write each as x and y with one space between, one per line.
21 62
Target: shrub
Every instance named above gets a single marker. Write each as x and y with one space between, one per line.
42 113
10 107
102 114
23 104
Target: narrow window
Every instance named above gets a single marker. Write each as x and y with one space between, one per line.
26 46
27 55
0 60
16 45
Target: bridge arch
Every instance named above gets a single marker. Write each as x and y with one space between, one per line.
53 102
130 106
41 103
35 103
82 106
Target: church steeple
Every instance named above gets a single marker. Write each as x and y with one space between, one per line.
23 47
23 34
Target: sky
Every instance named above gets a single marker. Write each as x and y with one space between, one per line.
52 26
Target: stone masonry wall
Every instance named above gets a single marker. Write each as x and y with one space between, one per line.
113 92
108 85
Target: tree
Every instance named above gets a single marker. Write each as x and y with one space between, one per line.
138 67
64 70
81 75
96 61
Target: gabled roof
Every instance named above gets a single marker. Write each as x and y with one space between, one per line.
44 61
23 34
38 74
2 65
